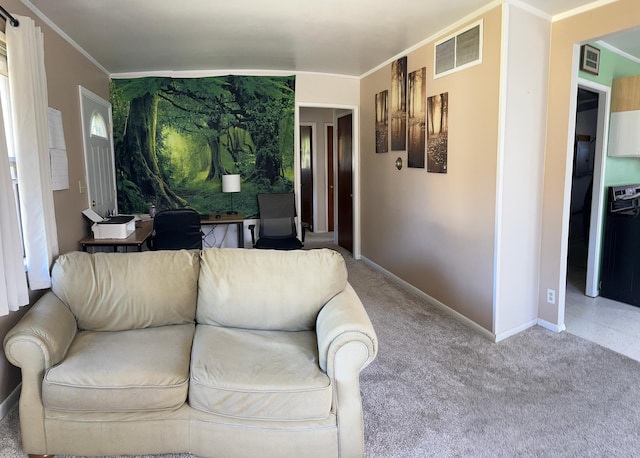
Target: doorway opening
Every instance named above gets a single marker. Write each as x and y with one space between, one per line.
321 198
584 153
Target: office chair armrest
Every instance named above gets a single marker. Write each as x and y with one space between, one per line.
252 229
304 226
150 239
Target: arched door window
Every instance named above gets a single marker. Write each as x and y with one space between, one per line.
98 126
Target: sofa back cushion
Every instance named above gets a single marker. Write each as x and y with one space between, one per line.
267 289
119 291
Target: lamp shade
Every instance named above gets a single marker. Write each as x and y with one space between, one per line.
230 183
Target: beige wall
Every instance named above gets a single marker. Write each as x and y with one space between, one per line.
66 69
436 231
566 33
327 90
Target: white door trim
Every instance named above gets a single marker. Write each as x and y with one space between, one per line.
598 196
85 93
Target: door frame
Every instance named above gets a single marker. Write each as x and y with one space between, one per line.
357 254
84 92
328 140
314 168
598 195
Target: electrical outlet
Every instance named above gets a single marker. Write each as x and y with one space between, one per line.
551 296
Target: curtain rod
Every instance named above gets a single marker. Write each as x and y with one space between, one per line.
14 22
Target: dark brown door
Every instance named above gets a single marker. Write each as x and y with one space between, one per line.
345 183
306 176
330 186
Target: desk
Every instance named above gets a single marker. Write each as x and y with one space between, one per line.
224 218
137 239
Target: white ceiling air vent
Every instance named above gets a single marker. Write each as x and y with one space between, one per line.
459 51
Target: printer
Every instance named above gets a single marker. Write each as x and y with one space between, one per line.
113 227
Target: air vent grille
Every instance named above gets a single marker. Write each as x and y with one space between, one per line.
458 51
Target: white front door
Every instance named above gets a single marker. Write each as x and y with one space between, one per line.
98 152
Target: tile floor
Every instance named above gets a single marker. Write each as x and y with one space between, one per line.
608 323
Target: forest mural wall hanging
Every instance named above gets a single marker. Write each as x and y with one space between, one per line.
174 138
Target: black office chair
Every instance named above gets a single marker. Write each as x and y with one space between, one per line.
277 223
175 230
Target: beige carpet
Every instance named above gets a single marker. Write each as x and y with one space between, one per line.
438 389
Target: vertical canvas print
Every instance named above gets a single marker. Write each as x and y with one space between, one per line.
416 102
399 105
174 139
382 122
438 127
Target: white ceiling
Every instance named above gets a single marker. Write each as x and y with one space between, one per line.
346 37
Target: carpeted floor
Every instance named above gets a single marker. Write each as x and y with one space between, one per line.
438 389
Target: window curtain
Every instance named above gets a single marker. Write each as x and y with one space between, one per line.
28 86
13 289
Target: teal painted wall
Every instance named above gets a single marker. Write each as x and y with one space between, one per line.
618 170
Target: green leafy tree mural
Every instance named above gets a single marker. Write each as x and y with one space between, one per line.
175 138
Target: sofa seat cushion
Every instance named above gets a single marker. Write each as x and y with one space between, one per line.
122 371
253 374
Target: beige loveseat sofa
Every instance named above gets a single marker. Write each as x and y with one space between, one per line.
221 352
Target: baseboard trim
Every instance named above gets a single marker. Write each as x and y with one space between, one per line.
551 326
436 303
517 330
10 401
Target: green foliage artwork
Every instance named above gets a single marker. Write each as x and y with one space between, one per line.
175 138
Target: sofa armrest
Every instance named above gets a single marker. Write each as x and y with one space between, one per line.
341 321
347 344
42 337
40 340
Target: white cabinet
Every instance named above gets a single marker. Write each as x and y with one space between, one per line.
624 134
624 126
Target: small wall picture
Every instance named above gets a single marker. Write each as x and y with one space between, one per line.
438 128
382 122
399 104
416 118
590 59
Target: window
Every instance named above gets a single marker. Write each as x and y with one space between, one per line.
459 51
5 102
98 126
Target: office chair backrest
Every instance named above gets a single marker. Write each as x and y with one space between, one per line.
277 215
176 229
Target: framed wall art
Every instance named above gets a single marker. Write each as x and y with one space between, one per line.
416 118
382 122
438 130
399 104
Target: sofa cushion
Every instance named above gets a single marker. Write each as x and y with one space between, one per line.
253 374
124 371
115 292
267 289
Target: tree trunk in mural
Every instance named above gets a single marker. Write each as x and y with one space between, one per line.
265 134
140 144
216 170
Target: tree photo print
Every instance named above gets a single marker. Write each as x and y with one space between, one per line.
438 132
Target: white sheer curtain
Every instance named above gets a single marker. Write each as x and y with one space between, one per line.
28 84
13 289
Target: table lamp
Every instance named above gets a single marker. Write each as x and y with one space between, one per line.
231 184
